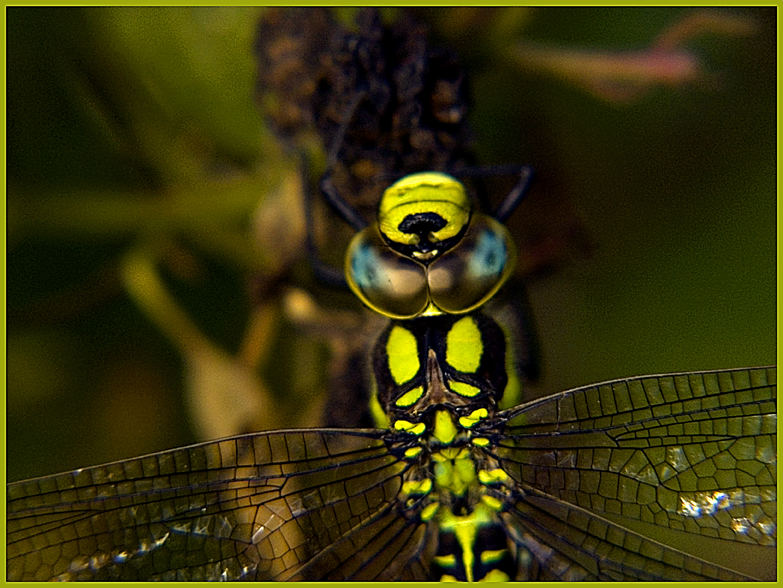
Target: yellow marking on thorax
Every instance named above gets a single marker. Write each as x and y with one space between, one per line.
444 429
468 421
493 503
417 486
450 453
454 470
464 346
412 452
429 511
512 395
402 353
496 476
463 389
409 427
379 416
410 397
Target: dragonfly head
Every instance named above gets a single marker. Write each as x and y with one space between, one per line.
428 253
424 214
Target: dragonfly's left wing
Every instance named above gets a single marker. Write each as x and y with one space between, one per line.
307 504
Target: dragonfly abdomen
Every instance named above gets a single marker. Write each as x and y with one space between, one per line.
470 549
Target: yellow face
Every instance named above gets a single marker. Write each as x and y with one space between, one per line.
428 254
439 196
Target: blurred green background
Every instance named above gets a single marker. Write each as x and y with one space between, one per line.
133 133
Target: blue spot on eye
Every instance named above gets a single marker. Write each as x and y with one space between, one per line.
363 264
489 255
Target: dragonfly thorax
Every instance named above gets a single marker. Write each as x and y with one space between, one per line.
462 489
456 361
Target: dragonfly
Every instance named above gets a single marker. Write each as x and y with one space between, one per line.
662 477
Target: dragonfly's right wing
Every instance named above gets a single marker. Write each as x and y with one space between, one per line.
667 477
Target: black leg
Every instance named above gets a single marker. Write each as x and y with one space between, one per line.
324 272
347 212
518 192
328 189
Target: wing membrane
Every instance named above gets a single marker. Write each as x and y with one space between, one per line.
644 478
567 542
692 453
277 505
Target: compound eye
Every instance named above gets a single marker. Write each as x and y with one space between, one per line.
471 273
387 282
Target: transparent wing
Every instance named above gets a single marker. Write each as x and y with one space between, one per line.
562 541
658 477
285 505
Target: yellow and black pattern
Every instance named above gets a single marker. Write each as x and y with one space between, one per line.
453 360
437 378
667 477
651 478
645 478
428 253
